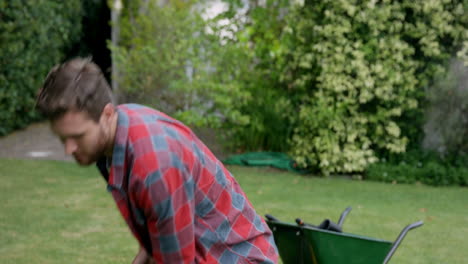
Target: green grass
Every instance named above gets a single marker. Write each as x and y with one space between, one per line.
57 212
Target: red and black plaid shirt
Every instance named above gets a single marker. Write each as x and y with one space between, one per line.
179 201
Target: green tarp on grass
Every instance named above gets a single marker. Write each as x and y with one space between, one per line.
273 159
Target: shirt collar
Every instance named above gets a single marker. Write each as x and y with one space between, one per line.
118 166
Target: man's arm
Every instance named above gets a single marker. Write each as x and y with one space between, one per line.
168 202
143 258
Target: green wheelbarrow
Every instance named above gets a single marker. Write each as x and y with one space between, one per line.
303 243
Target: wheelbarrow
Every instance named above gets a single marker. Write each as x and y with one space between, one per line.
303 243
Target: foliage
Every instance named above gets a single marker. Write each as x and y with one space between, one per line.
167 60
432 173
426 167
35 35
359 67
347 76
336 84
268 109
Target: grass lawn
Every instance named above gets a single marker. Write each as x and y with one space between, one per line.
57 212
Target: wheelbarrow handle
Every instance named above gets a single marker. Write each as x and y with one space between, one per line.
400 238
343 216
269 217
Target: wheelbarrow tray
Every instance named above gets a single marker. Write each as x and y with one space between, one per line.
305 244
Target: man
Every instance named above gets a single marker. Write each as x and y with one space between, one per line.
179 201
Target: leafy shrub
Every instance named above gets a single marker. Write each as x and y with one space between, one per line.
335 83
254 47
462 174
402 173
346 76
167 60
421 166
207 79
360 67
431 173
35 35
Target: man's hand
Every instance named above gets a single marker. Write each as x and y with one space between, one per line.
143 258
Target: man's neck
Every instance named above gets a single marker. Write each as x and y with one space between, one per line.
113 130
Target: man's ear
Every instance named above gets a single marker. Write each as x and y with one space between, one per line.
108 112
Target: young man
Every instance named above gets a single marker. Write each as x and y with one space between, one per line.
179 201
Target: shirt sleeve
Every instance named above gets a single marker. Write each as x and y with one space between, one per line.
168 203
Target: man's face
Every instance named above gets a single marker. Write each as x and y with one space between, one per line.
81 136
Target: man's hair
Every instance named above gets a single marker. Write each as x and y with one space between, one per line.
77 85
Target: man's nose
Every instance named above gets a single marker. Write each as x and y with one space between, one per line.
70 146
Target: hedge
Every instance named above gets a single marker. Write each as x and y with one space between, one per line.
35 35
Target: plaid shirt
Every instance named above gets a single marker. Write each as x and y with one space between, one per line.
179 201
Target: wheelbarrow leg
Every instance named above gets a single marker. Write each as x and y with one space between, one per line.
400 238
343 216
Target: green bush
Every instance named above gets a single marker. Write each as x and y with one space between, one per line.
167 60
337 84
207 79
432 173
462 174
361 67
421 166
34 36
268 110
343 80
402 173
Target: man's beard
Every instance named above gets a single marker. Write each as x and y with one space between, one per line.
92 158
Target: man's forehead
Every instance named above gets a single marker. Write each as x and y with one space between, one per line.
70 122
73 115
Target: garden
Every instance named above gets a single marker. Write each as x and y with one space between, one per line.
368 99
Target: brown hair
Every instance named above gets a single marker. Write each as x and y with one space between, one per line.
77 84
